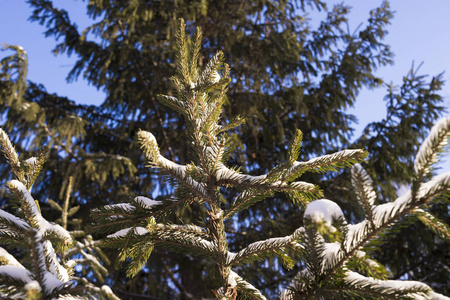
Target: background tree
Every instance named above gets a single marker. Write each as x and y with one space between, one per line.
285 75
330 252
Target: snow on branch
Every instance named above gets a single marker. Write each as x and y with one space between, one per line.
225 174
323 210
8 259
16 272
325 163
228 176
331 256
433 223
431 146
127 231
35 217
209 75
173 103
385 213
11 221
413 289
252 251
147 202
8 149
363 188
234 280
150 146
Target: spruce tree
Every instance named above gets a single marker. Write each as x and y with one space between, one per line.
286 74
45 254
330 253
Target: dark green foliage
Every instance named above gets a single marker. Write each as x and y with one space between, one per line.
327 247
285 75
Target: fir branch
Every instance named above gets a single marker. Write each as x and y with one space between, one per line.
206 79
256 250
11 155
12 222
195 52
406 289
179 172
246 288
365 194
325 163
173 103
366 265
8 259
433 223
245 199
228 176
383 215
183 242
182 52
14 278
294 147
140 252
65 207
237 121
430 148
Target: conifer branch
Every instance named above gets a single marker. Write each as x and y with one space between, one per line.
435 225
365 194
431 146
254 250
325 163
11 155
246 199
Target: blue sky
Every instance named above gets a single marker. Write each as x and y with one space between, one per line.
420 32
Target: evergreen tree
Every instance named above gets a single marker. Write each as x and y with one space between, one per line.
285 74
331 253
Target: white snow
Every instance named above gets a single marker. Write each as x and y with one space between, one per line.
323 210
31 161
436 296
148 136
26 196
331 254
355 234
52 282
147 202
392 285
32 286
8 259
13 219
165 163
215 77
18 273
106 289
206 244
232 276
55 267
303 186
224 173
343 153
91 258
43 224
124 232
125 206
